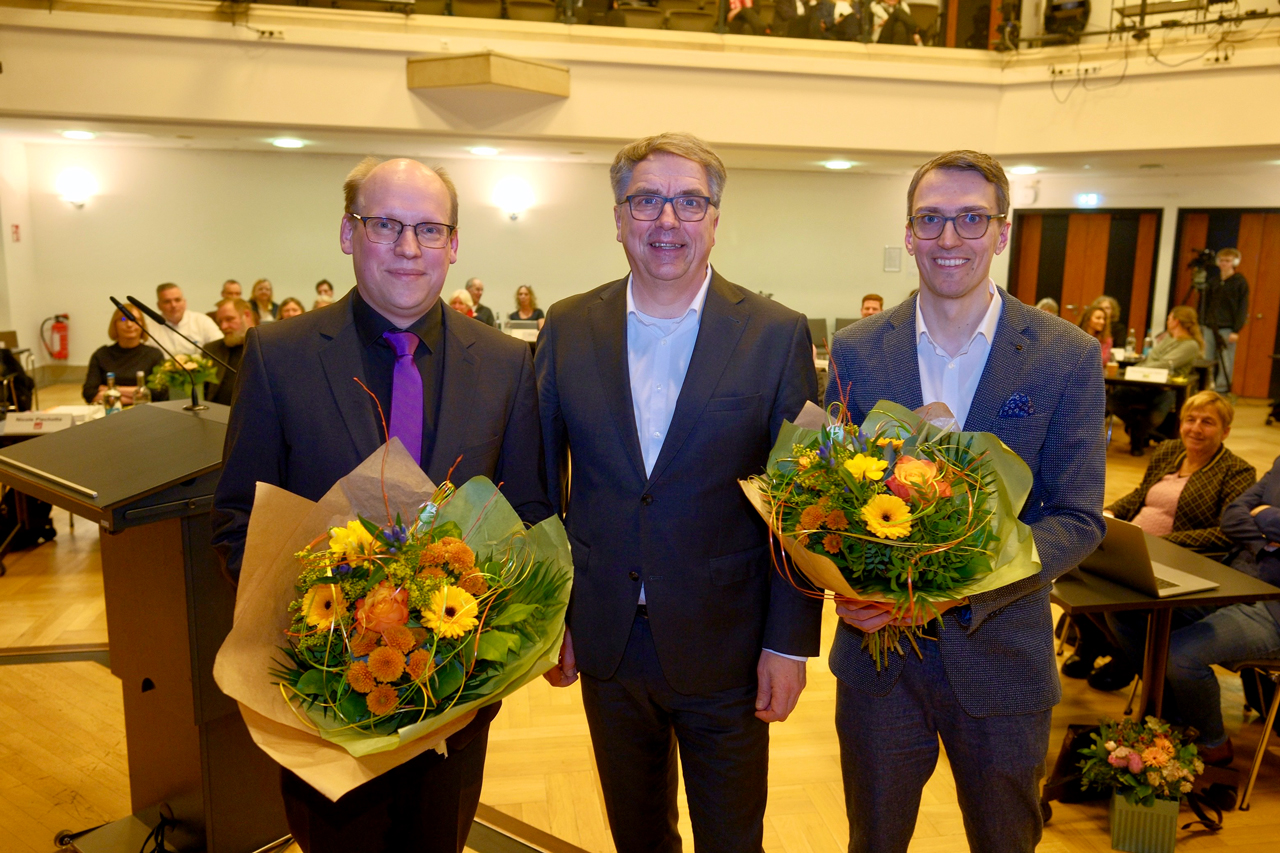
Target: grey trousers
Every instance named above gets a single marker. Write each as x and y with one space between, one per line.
889 749
638 721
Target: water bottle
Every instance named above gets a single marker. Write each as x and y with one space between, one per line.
1147 343
111 397
143 394
1131 343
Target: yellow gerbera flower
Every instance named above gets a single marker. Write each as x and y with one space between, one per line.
887 516
322 604
864 467
452 613
352 540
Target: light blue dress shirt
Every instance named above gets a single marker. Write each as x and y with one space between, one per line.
953 380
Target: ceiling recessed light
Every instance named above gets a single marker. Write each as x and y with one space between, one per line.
839 165
483 151
288 142
1023 170
79 134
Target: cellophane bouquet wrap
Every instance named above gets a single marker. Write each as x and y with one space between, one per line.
372 625
898 510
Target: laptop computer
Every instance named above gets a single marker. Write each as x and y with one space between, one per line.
1123 557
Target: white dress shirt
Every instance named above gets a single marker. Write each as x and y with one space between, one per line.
194 325
954 379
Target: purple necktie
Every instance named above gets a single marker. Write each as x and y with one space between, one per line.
406 394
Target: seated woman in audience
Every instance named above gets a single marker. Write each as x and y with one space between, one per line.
462 302
324 294
291 308
1188 484
1115 326
1142 408
124 357
1048 304
264 310
1094 322
526 306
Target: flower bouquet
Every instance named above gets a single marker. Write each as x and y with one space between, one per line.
168 375
899 511
1144 762
359 644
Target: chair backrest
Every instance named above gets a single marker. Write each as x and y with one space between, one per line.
818 331
691 20
643 17
841 322
532 10
477 8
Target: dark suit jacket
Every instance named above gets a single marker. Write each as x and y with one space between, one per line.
1203 499
687 531
1255 532
223 387
1001 661
302 423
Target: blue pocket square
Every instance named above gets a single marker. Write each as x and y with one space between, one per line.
1017 406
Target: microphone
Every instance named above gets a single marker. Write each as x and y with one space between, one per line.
195 402
159 318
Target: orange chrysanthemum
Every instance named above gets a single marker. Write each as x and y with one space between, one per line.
474 583
382 700
363 642
811 517
803 540
386 664
461 558
420 664
399 638
831 543
837 520
360 678
431 571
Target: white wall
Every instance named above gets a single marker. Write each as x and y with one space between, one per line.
197 217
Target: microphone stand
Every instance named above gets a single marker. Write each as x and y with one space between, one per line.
195 405
159 318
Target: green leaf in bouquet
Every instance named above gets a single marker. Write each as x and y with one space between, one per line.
369 526
353 707
311 683
447 680
496 645
448 528
513 613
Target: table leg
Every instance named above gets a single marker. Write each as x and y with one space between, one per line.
1155 661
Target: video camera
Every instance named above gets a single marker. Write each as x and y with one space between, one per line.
1204 262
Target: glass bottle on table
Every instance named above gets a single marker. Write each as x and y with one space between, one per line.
1131 344
142 394
1147 344
111 397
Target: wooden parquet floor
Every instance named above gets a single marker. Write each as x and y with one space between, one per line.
63 759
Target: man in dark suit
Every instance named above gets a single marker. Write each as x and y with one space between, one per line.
986 682
666 388
234 317
302 422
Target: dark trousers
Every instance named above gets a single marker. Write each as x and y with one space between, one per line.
425 805
638 721
899 28
889 749
1141 409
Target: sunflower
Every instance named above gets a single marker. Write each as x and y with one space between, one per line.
383 699
386 664
322 604
887 516
452 612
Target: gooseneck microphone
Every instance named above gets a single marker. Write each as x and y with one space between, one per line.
196 405
157 317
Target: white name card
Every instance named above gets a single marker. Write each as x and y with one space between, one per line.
1147 374
530 335
35 423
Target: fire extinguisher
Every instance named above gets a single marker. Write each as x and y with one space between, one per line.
55 340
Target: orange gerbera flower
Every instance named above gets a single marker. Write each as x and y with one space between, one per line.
363 642
322 604
420 664
399 638
386 664
360 678
831 543
811 517
383 699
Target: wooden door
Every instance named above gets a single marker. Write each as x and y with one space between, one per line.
1084 274
1259 245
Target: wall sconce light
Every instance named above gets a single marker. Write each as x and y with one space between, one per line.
76 186
513 196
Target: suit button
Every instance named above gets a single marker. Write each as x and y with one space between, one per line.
646 499
635 576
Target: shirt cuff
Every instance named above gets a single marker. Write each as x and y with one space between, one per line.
788 657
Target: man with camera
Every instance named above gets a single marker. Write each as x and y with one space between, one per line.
1224 307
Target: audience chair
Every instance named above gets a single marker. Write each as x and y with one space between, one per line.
841 322
9 341
533 10
1270 667
691 20
643 17
821 337
477 8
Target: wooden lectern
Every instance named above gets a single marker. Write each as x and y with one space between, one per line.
147 476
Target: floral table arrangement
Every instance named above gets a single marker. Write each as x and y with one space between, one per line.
168 375
897 510
1149 770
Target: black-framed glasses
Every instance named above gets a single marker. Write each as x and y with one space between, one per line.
383 229
688 208
969 226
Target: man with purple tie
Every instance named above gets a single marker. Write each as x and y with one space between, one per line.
302 421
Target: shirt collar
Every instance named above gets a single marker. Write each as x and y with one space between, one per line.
695 307
987 328
370 324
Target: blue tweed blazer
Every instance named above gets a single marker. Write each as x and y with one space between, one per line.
1042 394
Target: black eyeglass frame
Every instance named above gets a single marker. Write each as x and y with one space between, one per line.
364 220
665 201
911 221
